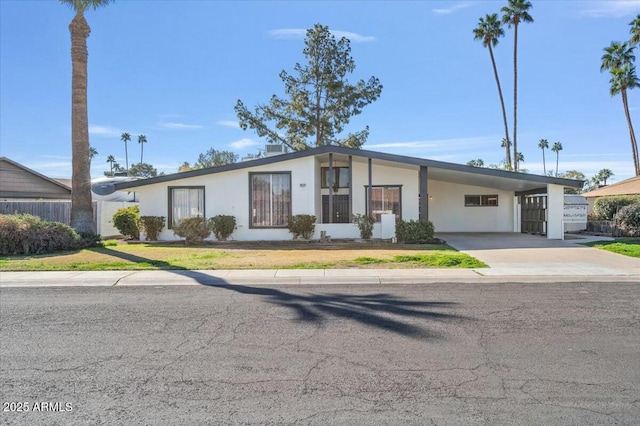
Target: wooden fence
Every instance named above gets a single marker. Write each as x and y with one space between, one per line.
54 211
608 227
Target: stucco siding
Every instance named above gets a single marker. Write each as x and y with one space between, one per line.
228 193
449 214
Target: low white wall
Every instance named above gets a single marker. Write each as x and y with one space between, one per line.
449 214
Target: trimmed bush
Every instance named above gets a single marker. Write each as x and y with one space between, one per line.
223 226
152 225
193 229
365 225
27 234
628 219
414 231
605 208
302 225
127 221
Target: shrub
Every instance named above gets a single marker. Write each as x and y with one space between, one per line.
301 225
628 219
365 225
127 221
194 229
152 225
414 231
27 234
605 208
223 226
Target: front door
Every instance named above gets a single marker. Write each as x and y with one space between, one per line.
340 209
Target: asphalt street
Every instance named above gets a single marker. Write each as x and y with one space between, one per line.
421 354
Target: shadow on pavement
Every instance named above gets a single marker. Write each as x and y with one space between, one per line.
379 310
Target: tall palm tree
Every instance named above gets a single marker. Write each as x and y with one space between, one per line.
557 147
111 159
126 137
543 144
142 139
489 30
516 12
81 207
622 79
635 30
618 59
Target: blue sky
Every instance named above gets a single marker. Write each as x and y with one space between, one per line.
173 70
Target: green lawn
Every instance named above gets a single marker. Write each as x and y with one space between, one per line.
625 246
288 255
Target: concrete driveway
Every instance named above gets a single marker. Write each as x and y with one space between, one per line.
522 254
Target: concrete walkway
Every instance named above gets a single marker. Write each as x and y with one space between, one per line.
511 256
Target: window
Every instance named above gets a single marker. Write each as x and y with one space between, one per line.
480 200
270 199
186 201
340 177
384 200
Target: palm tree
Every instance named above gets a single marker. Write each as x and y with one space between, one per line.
489 30
557 147
126 137
92 153
81 207
543 144
635 30
513 14
616 55
142 139
603 175
111 159
622 79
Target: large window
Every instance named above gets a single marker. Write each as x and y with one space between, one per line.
385 200
340 177
480 200
270 199
186 201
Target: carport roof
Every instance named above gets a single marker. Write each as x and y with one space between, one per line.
437 170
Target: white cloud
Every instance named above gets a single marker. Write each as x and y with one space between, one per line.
612 8
228 123
439 144
179 126
453 8
106 131
300 33
243 143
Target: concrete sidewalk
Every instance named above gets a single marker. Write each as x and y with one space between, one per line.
511 257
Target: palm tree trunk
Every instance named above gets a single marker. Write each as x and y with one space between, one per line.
141 151
515 97
557 160
544 163
81 206
504 111
126 157
634 144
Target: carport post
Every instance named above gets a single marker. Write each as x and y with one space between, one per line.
555 212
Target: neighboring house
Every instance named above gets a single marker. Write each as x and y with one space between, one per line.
626 187
20 183
333 183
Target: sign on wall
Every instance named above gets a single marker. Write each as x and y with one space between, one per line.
575 213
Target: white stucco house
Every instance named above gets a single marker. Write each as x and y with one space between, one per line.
333 183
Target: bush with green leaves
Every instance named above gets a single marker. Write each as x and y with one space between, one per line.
223 226
414 231
605 208
27 234
193 229
628 219
302 225
152 225
365 225
127 221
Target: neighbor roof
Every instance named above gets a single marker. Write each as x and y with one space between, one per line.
626 187
479 172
